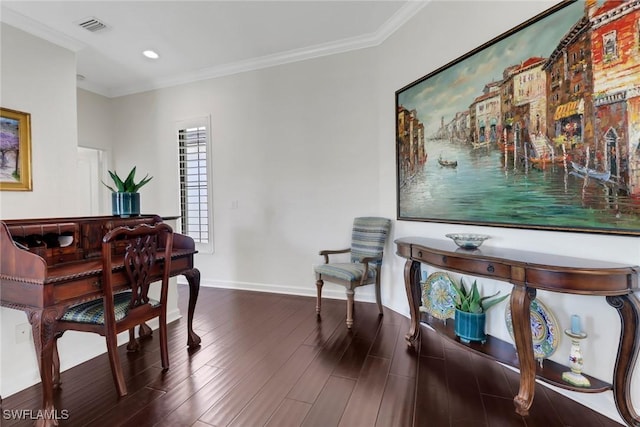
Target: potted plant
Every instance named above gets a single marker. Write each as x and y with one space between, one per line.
125 199
470 315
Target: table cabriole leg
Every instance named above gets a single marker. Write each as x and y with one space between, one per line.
193 278
43 327
520 316
412 287
628 309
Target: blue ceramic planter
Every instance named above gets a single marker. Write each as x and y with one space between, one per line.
470 326
125 204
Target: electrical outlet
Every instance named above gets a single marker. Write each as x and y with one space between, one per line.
23 332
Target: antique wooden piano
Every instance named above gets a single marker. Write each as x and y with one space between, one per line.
49 264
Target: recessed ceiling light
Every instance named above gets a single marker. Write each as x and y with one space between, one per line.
151 54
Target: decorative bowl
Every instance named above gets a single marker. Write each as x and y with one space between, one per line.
468 241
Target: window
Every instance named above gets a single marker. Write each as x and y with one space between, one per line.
610 46
194 164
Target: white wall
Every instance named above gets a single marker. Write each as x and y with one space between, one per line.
96 128
295 146
39 78
305 147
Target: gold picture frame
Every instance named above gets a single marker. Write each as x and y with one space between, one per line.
15 150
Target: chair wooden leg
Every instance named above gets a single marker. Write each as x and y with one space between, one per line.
56 365
378 296
114 361
164 349
350 293
319 284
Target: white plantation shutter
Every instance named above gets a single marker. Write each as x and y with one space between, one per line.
194 184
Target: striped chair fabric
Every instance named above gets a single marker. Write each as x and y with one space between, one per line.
345 270
368 237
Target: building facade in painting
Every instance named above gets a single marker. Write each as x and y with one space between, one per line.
569 91
488 120
410 139
615 54
506 110
457 130
529 95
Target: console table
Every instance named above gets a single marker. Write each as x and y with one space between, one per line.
528 272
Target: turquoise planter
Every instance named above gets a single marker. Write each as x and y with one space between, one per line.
470 326
125 204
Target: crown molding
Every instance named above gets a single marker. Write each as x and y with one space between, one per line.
252 64
95 88
37 29
403 14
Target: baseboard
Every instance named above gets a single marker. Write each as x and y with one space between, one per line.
362 296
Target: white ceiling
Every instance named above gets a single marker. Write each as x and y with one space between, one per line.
201 39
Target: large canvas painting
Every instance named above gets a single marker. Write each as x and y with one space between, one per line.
538 128
15 150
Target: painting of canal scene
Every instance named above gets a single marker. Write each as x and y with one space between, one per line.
15 150
538 128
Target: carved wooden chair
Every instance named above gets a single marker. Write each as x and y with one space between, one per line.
130 256
368 238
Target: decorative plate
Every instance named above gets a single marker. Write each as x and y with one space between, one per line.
438 296
545 333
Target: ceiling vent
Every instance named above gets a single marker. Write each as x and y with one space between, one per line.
92 24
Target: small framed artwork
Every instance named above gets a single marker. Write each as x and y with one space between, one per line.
15 150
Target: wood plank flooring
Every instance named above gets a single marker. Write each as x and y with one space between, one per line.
265 360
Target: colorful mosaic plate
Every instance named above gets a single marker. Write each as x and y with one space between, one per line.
545 332
438 296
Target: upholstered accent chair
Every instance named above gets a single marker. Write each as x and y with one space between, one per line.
368 238
130 258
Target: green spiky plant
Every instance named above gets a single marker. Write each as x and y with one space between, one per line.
471 301
128 185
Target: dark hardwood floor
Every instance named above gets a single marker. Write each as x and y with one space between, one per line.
266 361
